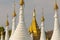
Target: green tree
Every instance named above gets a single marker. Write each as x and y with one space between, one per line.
1 29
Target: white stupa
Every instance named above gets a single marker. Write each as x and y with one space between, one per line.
7 28
1 35
56 31
43 35
13 20
21 32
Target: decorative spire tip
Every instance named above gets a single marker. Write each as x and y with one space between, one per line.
42 18
21 2
7 23
34 12
14 14
56 6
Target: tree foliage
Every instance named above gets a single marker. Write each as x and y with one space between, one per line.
1 29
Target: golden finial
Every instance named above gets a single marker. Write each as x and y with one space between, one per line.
7 23
21 2
56 6
42 18
14 14
34 13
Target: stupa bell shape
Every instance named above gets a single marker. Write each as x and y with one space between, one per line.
21 32
56 31
7 29
43 35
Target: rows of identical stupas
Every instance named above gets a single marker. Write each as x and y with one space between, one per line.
21 32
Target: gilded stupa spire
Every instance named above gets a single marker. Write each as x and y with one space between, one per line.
56 6
21 2
14 13
7 23
42 18
34 28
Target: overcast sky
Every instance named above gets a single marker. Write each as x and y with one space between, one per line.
6 7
